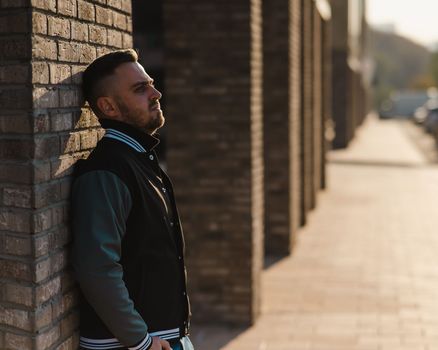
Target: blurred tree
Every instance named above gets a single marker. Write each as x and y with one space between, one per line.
434 66
399 64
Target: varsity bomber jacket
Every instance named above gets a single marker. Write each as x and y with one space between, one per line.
128 246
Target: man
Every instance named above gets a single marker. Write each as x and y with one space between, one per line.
128 246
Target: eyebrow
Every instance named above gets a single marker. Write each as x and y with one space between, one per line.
142 83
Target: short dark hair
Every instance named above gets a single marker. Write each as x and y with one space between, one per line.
101 68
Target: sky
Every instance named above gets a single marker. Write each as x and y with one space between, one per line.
415 19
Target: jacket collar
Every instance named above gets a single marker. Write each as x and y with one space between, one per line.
133 137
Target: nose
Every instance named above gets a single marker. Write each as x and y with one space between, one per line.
156 94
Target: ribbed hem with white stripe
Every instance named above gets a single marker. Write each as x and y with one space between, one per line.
113 343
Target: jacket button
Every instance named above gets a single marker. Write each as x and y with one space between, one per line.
180 257
151 157
171 223
184 293
164 190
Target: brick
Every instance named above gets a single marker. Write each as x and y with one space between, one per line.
114 38
17 245
39 23
79 31
70 323
104 16
63 166
41 123
97 34
44 48
119 20
127 7
129 24
46 194
58 261
69 97
13 3
14 48
17 197
61 121
70 344
76 72
127 41
46 147
61 236
42 244
69 51
40 73
60 73
15 318
70 143
18 294
42 270
88 139
87 53
14 74
117 4
41 171
15 149
67 7
14 23
48 290
102 50
18 342
46 97
58 215
43 317
16 124
59 27
19 173
42 221
48 338
87 119
49 5
67 280
15 98
15 269
86 11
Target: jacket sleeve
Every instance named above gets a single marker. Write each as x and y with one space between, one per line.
101 203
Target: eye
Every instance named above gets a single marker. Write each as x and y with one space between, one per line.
141 89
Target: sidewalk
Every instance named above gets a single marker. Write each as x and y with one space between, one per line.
364 273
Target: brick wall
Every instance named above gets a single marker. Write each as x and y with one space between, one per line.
44 128
213 65
282 79
307 189
318 122
326 132
341 102
276 74
295 110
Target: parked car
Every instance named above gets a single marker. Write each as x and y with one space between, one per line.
422 113
403 104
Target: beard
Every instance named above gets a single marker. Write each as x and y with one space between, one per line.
148 121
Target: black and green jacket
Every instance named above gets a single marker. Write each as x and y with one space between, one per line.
128 246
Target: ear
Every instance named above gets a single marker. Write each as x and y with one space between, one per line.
108 107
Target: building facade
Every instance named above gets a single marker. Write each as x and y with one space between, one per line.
247 88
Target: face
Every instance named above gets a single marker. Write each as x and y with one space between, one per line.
135 99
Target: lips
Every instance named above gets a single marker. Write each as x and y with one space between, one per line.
155 107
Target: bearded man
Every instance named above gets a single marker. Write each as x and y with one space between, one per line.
128 245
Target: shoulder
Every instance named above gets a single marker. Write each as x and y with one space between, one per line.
109 155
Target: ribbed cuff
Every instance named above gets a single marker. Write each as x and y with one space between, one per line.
145 344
